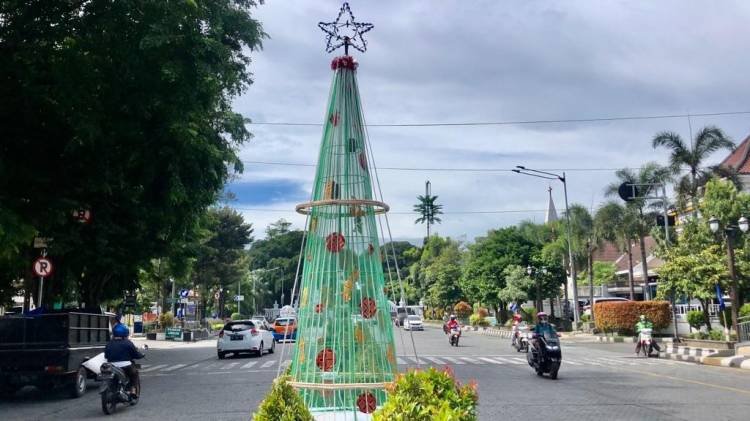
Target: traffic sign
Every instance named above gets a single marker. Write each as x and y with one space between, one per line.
42 242
184 300
184 293
628 191
43 267
239 298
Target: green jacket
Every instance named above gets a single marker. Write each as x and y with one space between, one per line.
643 325
541 329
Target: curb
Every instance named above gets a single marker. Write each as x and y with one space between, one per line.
736 361
680 357
630 339
690 351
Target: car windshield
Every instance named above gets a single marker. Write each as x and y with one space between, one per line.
415 318
238 326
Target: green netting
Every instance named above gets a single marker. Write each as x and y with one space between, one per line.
345 331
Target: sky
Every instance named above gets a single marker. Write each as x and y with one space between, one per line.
491 61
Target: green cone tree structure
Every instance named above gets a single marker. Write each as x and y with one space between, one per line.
345 354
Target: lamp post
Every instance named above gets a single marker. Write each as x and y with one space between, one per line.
172 303
532 272
729 232
520 169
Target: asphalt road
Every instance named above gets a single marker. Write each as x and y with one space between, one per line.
596 381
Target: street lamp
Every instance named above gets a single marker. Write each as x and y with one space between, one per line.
531 271
520 169
729 232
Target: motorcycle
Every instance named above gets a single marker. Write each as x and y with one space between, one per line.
521 338
545 356
645 343
454 335
115 386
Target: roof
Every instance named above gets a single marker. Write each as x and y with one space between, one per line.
738 159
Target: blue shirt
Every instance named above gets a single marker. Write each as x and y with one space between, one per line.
121 350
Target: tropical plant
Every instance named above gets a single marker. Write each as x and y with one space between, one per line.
695 319
707 141
428 209
617 224
283 403
428 395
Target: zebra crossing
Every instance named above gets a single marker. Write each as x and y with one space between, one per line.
269 364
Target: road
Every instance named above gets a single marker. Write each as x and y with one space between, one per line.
596 381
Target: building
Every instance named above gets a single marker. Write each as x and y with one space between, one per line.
739 160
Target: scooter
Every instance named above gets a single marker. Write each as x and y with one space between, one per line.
545 356
454 336
115 386
521 338
646 344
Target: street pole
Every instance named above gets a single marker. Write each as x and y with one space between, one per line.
570 253
732 277
172 302
666 217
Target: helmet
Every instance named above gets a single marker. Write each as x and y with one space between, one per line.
453 317
120 331
643 317
542 317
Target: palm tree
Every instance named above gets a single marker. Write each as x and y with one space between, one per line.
648 178
428 209
708 140
616 223
581 234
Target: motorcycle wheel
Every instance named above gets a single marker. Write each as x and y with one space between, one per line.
109 403
554 368
644 348
539 373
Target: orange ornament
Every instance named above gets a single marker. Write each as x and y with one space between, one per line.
325 359
368 307
366 403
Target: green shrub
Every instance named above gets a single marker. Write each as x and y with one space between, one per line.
462 309
716 335
529 314
478 320
235 316
745 310
428 395
166 319
695 319
217 326
483 312
622 316
723 315
283 403
586 318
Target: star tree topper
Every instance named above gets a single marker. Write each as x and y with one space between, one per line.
345 33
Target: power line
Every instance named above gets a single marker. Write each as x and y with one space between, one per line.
301 164
471 212
522 122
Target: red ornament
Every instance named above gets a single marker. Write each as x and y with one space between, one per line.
335 242
334 119
368 307
363 160
325 359
366 403
370 249
318 308
344 62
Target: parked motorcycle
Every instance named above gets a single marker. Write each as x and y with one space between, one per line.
454 336
521 338
545 356
115 388
645 342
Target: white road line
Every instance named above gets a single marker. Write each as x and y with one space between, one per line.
250 364
520 360
613 361
401 361
435 360
505 360
209 366
490 360
174 367
421 360
571 362
268 364
145 366
471 360
228 366
156 367
454 360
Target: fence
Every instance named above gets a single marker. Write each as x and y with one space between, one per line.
683 309
743 325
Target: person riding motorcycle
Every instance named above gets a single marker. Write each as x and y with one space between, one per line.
543 326
644 323
453 323
517 320
120 352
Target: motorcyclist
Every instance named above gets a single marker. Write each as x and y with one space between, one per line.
120 352
644 323
452 324
516 323
543 326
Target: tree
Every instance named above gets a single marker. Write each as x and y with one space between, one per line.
648 177
131 102
428 209
443 274
584 240
483 272
707 141
399 255
617 224
518 285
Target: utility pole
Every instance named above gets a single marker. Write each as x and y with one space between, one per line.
173 306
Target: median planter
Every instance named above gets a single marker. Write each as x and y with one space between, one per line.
700 343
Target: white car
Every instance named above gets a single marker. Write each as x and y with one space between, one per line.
413 322
240 336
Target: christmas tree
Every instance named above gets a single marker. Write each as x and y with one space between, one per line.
345 354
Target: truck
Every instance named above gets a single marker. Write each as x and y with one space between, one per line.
48 350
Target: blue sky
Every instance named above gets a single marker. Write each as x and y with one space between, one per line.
447 61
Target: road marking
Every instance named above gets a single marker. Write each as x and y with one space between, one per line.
572 362
684 380
401 361
469 359
520 360
490 360
228 366
268 364
250 364
415 360
156 367
174 367
435 360
209 366
613 361
454 360
508 360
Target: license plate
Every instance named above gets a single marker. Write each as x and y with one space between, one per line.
236 337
